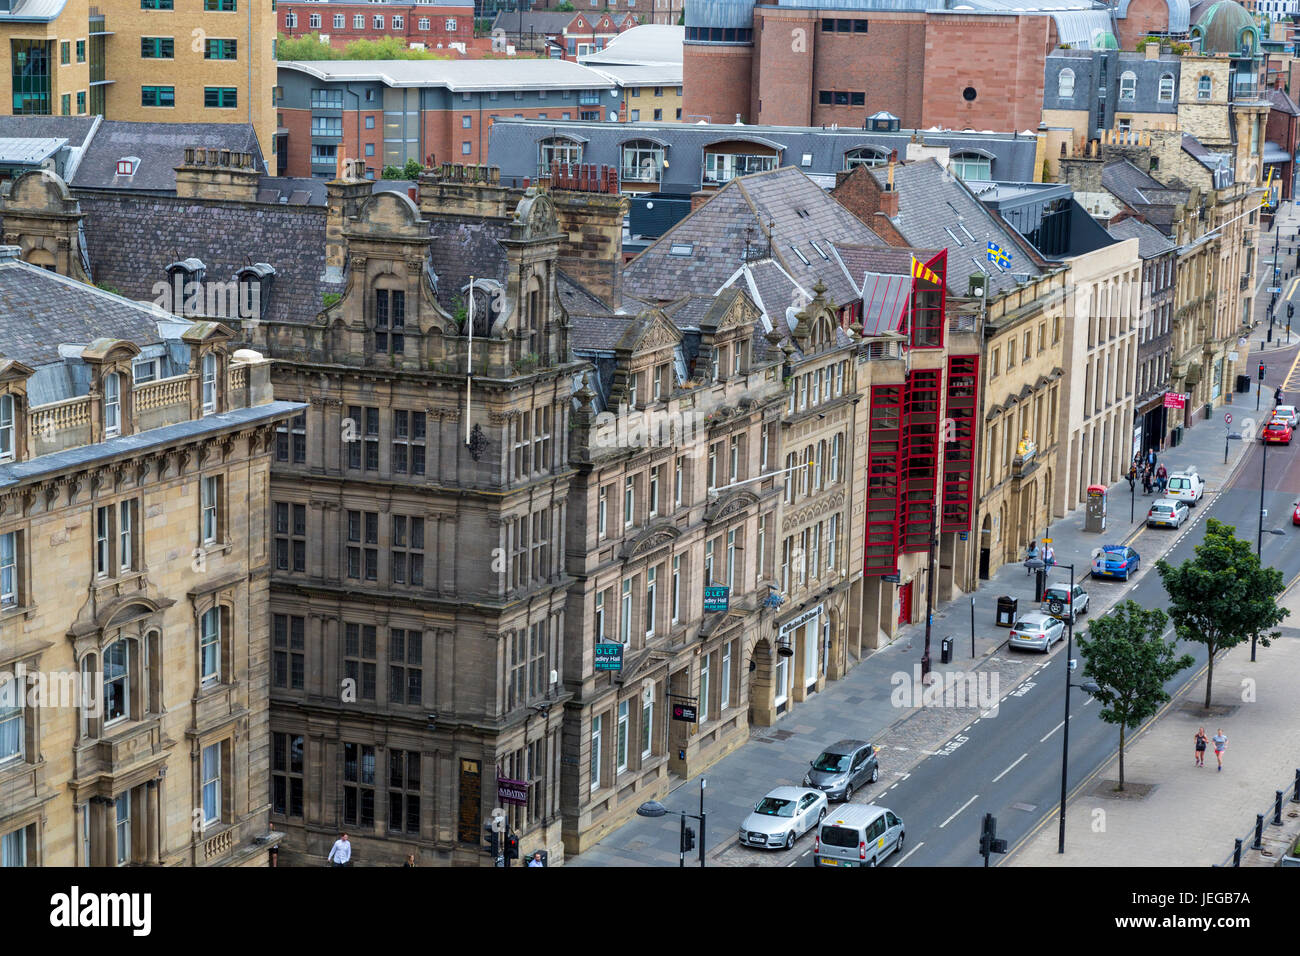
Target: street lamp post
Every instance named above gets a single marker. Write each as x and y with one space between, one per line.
929 598
1259 536
653 808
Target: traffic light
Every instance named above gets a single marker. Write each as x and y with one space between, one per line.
688 840
1290 309
493 847
512 846
989 842
1261 371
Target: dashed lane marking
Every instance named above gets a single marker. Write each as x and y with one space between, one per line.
959 810
904 857
1009 769
1052 731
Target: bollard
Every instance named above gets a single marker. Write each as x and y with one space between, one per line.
1236 853
1259 832
1277 810
1296 789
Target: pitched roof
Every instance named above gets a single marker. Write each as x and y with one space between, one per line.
645 45
1151 242
41 310
464 246
132 238
936 210
160 148
74 129
1280 101
783 206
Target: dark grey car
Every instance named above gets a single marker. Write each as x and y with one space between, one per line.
842 768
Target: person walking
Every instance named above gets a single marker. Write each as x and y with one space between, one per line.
1277 396
1151 458
1162 478
1220 745
1146 481
537 859
410 860
341 851
1201 741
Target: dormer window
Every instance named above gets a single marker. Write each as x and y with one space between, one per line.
209 384
112 405
254 285
7 442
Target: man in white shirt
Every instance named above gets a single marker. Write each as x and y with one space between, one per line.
341 852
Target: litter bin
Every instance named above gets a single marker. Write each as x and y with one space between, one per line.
1243 383
945 650
1007 606
1176 436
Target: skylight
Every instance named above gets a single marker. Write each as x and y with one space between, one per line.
682 249
802 257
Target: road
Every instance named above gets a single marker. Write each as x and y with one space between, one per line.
1009 764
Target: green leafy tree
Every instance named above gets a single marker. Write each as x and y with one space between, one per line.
385 48
392 172
307 47
412 169
1126 655
1223 596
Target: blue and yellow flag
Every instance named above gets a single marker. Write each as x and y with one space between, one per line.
999 256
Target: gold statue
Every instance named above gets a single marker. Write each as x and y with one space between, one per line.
1026 448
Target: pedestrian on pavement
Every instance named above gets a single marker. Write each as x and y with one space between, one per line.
537 859
1220 745
1201 741
1162 478
1146 481
1030 554
410 860
1277 396
341 851
1151 457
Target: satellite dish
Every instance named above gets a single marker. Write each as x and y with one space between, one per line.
613 116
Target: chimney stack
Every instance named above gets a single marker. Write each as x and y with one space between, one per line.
344 197
217 174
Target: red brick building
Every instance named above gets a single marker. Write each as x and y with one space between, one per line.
976 68
430 25
666 12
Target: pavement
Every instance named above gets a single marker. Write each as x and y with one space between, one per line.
864 703
1175 813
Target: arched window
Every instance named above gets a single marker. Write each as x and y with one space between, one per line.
209 384
7 437
559 149
1166 88
642 160
112 404
1065 84
1128 82
1203 88
865 156
972 166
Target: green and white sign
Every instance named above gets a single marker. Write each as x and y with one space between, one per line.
716 598
609 657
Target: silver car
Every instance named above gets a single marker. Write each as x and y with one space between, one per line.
783 816
1036 631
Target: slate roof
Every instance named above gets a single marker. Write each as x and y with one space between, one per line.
1141 192
75 129
802 212
465 245
41 310
594 333
160 147
930 199
548 21
133 238
1278 100
1151 242
513 145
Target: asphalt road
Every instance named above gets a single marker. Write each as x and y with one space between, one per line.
1009 764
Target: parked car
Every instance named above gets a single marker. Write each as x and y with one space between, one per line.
843 767
1295 515
1036 631
1288 414
1186 486
858 836
1277 432
783 816
1167 513
1071 604
1115 561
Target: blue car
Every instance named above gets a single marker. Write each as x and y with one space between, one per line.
1115 561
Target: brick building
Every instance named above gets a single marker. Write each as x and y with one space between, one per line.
801 62
423 26
139 61
561 35
389 112
646 11
133 568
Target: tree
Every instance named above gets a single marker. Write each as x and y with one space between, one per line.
412 169
1126 654
1223 596
308 47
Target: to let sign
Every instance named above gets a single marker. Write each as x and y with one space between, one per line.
512 791
715 598
609 657
686 712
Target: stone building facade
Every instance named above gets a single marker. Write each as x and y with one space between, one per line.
135 461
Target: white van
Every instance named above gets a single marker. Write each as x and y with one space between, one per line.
1186 486
858 836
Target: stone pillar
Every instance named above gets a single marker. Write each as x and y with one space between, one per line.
153 821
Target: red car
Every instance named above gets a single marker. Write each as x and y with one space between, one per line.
1295 515
1277 433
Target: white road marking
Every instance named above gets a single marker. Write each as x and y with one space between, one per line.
1089 701
896 747
959 810
887 789
1008 770
1052 731
909 853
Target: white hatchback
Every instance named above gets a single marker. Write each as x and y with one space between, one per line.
1288 414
